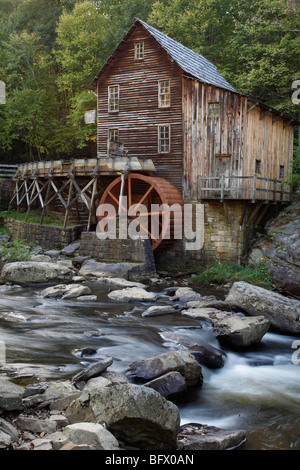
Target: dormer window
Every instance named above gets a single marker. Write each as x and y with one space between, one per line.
164 98
139 51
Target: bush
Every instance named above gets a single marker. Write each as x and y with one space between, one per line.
220 273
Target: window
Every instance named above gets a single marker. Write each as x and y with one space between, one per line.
139 51
258 166
113 135
163 139
281 171
164 94
113 98
214 109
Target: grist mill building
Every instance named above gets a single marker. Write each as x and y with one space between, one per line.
171 129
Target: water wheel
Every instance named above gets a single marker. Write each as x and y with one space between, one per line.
157 194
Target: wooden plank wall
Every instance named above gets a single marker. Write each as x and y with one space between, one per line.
205 137
139 115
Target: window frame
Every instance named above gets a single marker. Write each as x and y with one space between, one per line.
258 165
161 139
136 52
163 94
214 109
110 99
281 171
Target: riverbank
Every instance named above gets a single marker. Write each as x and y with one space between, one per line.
201 329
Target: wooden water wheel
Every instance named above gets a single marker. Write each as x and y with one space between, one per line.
156 194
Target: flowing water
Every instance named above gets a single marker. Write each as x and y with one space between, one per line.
257 390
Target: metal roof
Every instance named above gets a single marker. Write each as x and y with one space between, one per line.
191 62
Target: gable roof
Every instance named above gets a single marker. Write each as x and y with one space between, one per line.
189 61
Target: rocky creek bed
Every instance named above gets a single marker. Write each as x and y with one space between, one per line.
92 360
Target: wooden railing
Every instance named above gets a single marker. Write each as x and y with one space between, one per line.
254 188
8 171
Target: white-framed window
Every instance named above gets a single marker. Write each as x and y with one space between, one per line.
139 51
164 96
113 98
113 135
164 138
214 109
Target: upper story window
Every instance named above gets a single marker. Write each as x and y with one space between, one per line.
258 166
139 50
281 171
214 109
164 139
113 98
164 97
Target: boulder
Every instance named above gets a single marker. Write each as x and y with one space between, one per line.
230 329
171 385
104 270
94 370
205 354
93 435
30 272
69 250
36 425
131 294
156 310
186 293
282 312
8 434
279 249
66 291
59 395
121 282
10 395
195 436
138 416
180 361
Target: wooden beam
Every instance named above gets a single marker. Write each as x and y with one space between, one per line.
262 214
253 213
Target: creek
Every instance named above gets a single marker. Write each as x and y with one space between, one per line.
257 390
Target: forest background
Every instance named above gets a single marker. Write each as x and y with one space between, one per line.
50 48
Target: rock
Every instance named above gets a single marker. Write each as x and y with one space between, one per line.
279 249
104 270
158 310
54 254
79 260
28 272
205 354
138 416
231 329
41 258
36 425
93 435
282 312
115 377
60 420
93 370
71 249
60 394
88 298
65 291
10 395
42 444
186 293
209 302
180 361
97 382
132 294
8 434
241 332
120 282
171 385
195 436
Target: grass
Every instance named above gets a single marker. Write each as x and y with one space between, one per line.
34 218
15 250
220 273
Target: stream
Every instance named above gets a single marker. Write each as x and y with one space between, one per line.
257 390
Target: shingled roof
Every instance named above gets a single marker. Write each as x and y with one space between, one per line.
190 62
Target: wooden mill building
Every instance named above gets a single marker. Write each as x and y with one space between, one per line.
171 128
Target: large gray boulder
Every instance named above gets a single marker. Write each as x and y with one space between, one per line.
279 249
29 272
282 312
196 436
93 435
10 395
66 291
136 415
130 294
180 361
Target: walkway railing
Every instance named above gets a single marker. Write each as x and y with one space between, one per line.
254 188
8 171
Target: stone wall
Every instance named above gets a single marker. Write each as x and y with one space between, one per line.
227 236
115 251
6 193
44 235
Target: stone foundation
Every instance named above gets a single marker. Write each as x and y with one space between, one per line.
6 193
116 251
46 236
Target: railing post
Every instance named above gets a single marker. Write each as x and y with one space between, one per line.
199 188
267 189
222 188
275 190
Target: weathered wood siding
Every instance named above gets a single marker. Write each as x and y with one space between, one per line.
206 136
232 142
139 114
